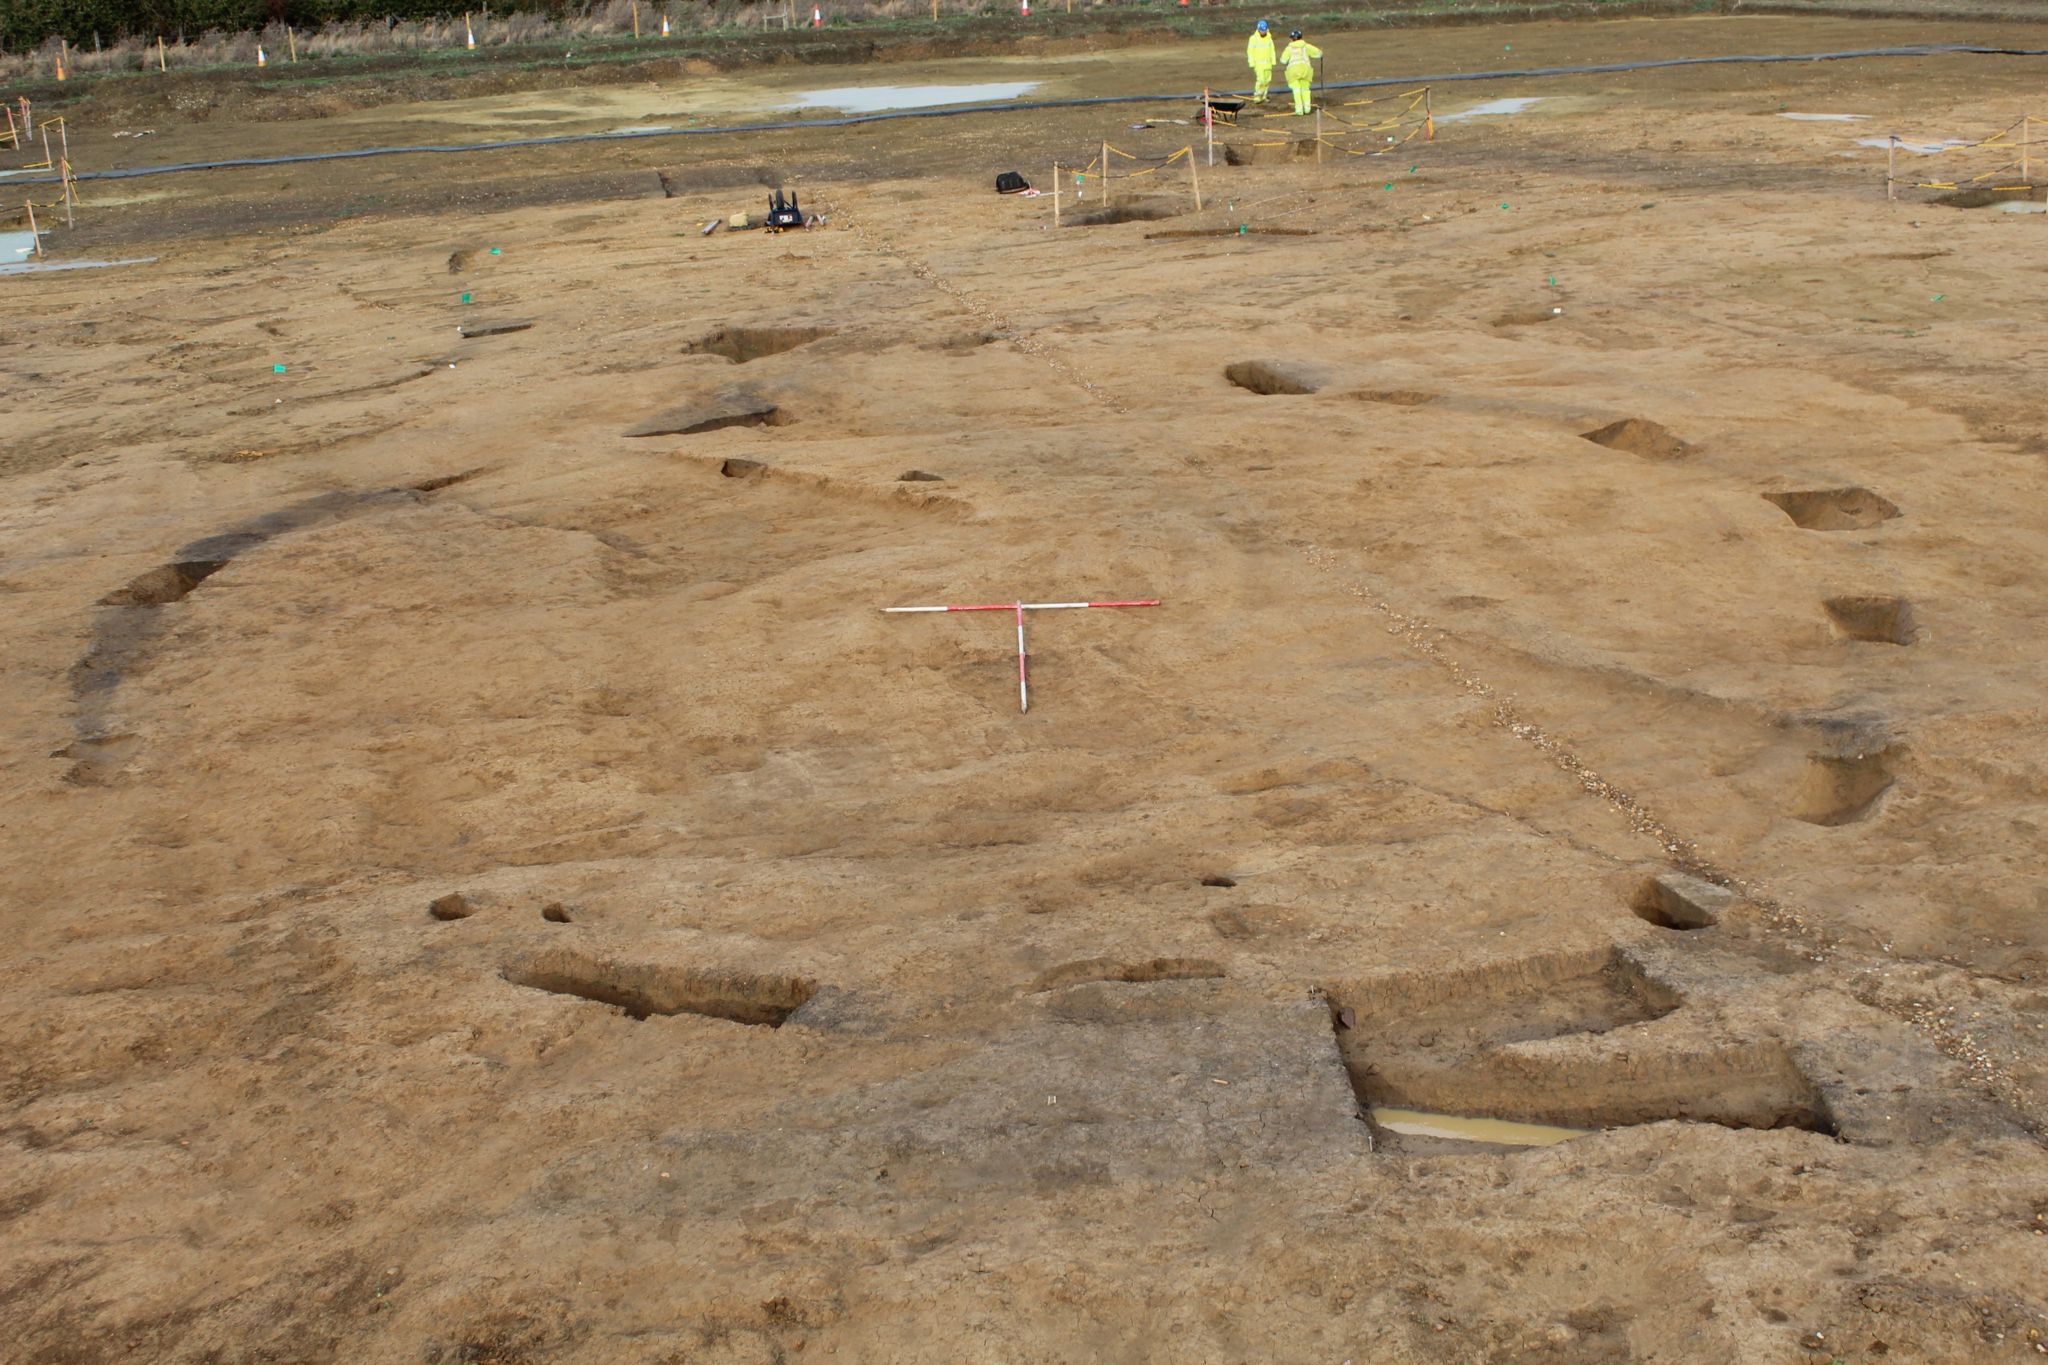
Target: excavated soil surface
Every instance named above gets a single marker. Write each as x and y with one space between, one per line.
484 886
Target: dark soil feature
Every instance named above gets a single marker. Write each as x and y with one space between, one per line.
1639 436
1134 973
1528 317
735 408
1986 198
681 180
920 476
493 328
737 468
554 912
743 344
1136 211
1182 234
646 989
439 482
1834 509
1219 881
761 417
165 584
1880 620
1270 377
1399 398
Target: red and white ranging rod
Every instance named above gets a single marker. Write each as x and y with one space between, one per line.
1023 670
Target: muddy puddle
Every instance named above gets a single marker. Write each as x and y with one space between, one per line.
869 99
16 246
1492 109
13 265
1458 1128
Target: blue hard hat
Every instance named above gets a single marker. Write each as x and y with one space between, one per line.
1262 25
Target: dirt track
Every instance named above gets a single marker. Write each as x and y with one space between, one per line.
487 887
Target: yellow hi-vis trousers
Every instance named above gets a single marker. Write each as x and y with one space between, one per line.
1301 80
1262 81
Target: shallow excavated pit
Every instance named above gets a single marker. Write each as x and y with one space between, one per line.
1271 377
1268 153
1834 509
743 344
165 584
644 989
1841 789
1524 1041
1675 900
1639 436
1751 1085
1513 1001
453 906
1878 619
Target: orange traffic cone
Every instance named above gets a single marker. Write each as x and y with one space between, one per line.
664 26
261 60
817 17
1024 8
60 70
468 34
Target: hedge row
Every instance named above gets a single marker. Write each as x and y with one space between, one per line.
25 24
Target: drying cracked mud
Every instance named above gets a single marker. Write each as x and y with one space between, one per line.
1559 877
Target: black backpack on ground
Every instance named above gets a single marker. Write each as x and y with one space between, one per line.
1009 182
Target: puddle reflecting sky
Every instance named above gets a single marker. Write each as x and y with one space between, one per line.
1492 108
868 99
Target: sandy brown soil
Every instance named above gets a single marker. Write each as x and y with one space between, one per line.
484 887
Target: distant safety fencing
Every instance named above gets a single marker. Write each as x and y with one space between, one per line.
2004 161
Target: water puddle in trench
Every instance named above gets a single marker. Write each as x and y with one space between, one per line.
16 246
1825 118
869 99
1457 1128
45 267
1921 148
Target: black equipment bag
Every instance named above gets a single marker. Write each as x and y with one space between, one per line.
783 212
1009 182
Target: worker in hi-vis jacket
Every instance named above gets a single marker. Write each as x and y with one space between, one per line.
1258 54
1299 59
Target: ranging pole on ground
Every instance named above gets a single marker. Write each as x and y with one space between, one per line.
1023 668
